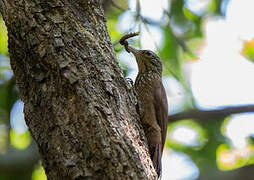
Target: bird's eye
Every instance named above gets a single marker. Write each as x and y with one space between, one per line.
148 53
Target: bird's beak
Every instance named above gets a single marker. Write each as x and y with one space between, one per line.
137 55
133 50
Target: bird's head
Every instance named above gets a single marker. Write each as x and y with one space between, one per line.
147 60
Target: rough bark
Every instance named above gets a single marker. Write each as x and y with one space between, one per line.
78 106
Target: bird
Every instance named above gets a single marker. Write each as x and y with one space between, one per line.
152 99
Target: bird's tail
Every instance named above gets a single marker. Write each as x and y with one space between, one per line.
156 157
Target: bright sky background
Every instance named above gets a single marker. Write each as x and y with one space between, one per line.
221 76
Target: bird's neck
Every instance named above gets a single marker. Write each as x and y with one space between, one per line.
149 74
148 77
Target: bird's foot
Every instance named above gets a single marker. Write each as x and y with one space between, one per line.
130 82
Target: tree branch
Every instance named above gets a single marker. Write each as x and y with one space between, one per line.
211 114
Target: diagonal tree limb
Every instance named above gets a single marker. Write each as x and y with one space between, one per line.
211 114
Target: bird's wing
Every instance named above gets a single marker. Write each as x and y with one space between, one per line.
161 109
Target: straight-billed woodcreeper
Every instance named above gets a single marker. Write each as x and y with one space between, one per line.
152 98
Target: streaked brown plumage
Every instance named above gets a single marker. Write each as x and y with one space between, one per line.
153 101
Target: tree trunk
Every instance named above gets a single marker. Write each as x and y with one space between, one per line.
78 106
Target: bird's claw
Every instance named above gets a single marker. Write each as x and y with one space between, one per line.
130 82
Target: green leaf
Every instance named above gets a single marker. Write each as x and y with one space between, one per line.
3 38
169 54
190 15
215 7
176 12
20 141
39 174
114 34
248 50
8 94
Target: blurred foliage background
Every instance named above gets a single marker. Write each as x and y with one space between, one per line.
204 140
